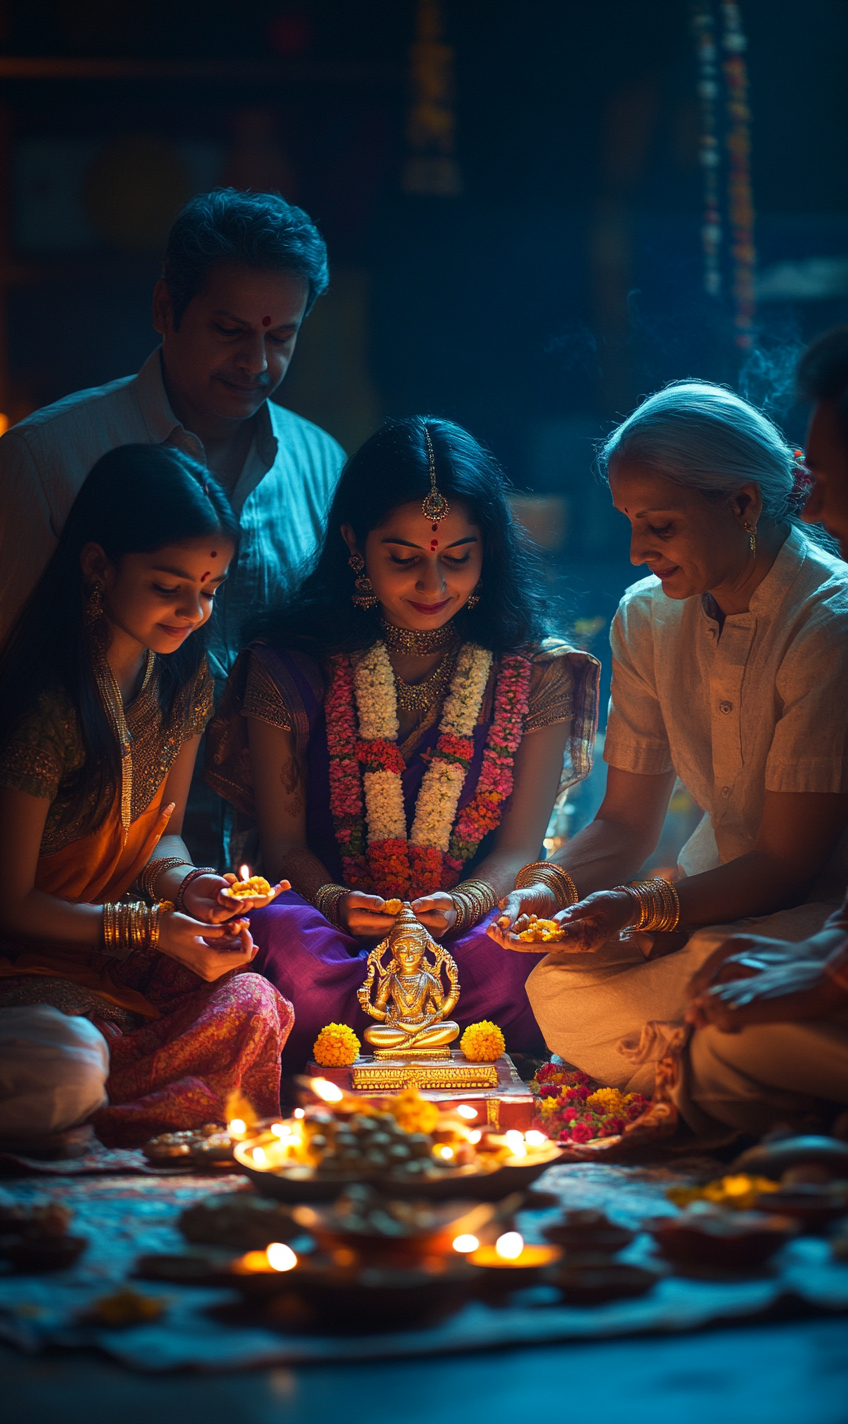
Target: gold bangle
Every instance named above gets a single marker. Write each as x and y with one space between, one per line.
327 900
472 900
554 879
657 903
145 881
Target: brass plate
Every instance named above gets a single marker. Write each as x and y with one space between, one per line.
386 1077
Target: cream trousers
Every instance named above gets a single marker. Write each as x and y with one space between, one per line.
53 1070
609 1013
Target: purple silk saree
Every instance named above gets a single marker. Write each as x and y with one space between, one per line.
319 968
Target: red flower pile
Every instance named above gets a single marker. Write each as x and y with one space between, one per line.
571 1108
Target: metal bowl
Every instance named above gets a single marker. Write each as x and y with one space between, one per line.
479 1182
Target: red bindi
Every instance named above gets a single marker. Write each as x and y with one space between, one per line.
214 554
266 321
434 544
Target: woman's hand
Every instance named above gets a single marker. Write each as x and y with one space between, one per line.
364 916
209 950
437 912
518 904
203 899
778 993
593 921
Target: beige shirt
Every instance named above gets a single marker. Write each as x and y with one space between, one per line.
281 497
759 705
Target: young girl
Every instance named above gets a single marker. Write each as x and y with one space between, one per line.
105 693
398 732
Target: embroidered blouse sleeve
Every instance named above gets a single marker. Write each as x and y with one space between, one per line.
202 703
263 698
43 750
551 696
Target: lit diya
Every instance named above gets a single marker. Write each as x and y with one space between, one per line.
510 1263
342 1139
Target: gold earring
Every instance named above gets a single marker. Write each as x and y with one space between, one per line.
93 610
751 531
474 598
365 597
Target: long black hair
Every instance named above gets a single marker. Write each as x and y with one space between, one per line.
389 470
138 498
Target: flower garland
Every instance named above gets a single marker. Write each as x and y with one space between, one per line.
368 812
572 1109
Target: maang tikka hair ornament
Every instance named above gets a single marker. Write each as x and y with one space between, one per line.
435 507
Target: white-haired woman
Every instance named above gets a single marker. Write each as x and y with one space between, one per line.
730 671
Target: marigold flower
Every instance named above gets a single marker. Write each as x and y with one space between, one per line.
482 1042
336 1046
607 1100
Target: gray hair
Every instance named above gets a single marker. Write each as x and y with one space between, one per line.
707 438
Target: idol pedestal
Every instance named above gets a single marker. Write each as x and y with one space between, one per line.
502 1099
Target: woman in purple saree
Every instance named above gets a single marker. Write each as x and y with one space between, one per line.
402 736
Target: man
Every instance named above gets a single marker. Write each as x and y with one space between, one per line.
771 1018
240 273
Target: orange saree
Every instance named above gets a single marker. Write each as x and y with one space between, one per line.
197 1042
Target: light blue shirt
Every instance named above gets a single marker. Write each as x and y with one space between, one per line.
281 497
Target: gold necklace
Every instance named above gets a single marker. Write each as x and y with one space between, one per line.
419 696
420 642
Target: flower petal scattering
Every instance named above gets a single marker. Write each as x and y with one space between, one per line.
336 1046
366 791
571 1108
483 1042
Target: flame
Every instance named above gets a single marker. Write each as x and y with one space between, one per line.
510 1245
327 1091
474 1137
515 1143
280 1257
446 1152
535 1139
239 1113
259 1156
281 1129
299 1112
464 1244
244 872
467 1111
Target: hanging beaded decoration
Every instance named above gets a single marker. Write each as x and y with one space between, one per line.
736 158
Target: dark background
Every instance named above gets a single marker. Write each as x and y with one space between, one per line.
535 306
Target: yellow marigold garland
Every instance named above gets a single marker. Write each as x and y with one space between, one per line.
336 1046
482 1042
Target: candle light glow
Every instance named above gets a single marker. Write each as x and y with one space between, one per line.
324 1089
259 1156
464 1244
510 1245
515 1143
280 1256
467 1111
533 1138
237 1127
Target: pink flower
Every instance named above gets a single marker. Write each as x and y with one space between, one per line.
581 1132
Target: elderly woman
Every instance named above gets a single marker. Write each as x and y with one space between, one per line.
730 671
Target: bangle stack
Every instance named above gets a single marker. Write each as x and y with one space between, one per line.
145 882
553 877
193 875
327 901
472 900
657 902
130 926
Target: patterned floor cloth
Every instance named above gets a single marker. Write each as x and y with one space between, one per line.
124 1217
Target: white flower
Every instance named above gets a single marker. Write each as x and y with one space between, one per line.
376 698
384 809
437 802
468 684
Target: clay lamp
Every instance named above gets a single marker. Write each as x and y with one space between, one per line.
509 1263
587 1232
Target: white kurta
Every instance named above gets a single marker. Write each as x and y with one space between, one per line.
758 705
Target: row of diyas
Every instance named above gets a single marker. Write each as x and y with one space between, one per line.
404 1142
